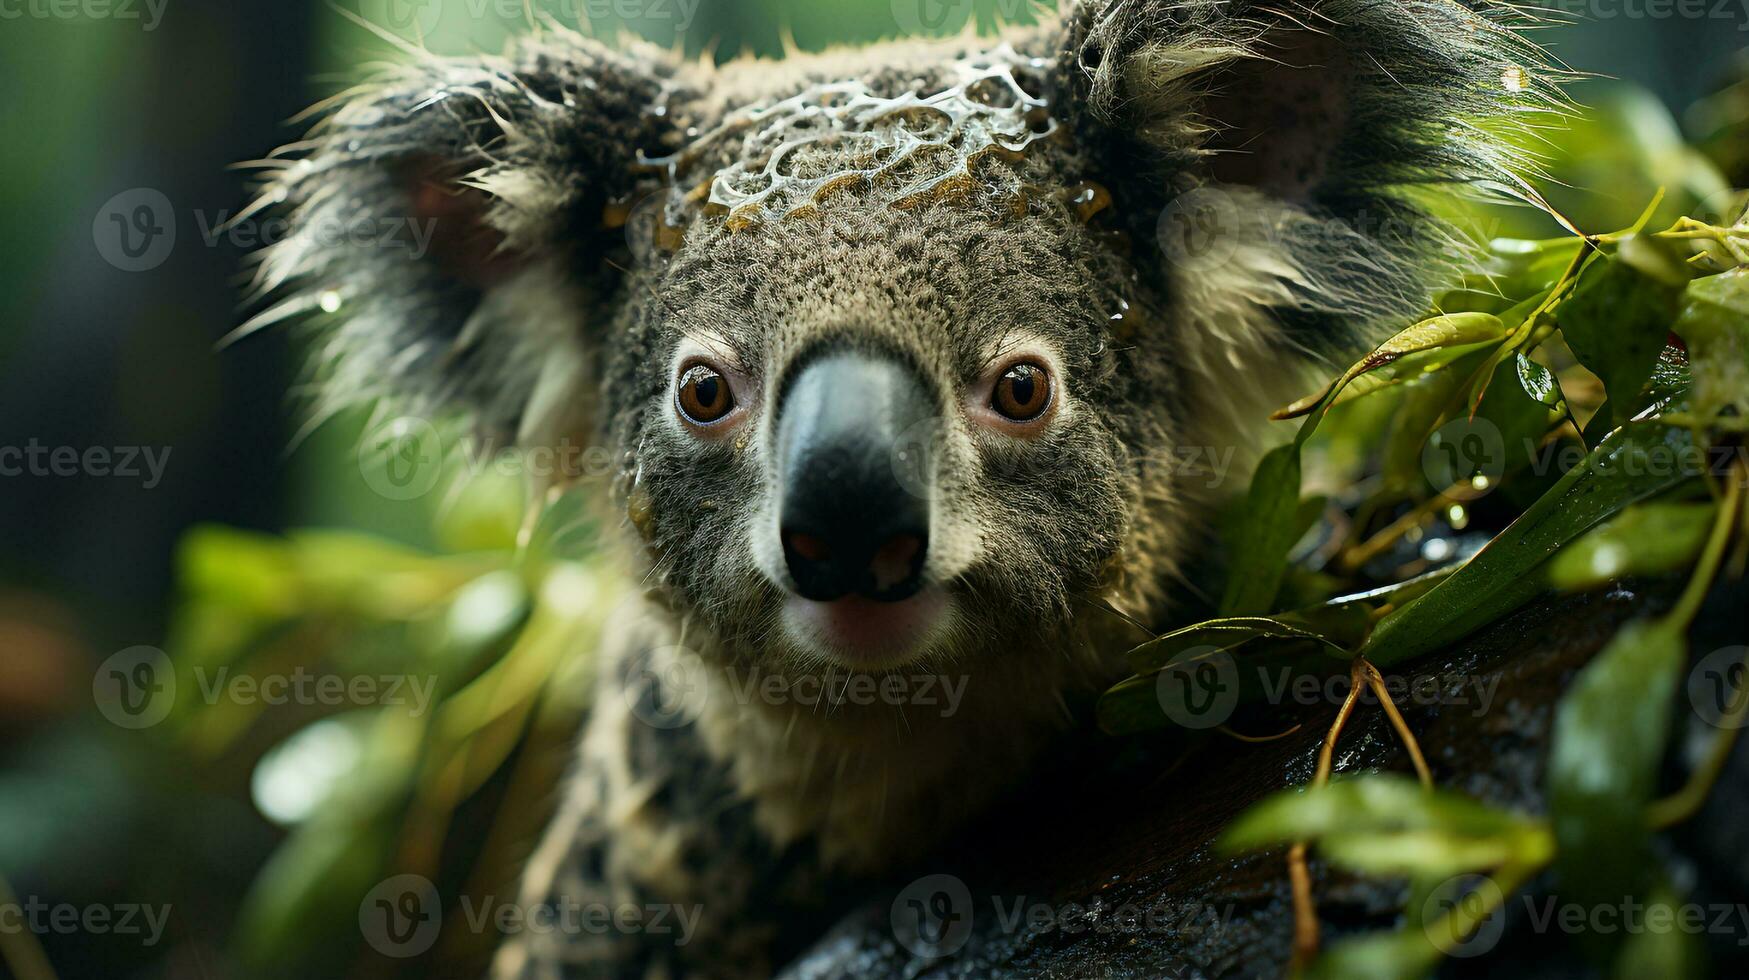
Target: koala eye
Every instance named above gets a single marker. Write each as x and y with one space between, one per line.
704 397
1022 393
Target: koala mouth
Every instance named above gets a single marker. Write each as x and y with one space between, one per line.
868 634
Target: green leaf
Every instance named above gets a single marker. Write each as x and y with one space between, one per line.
1609 737
1448 333
1404 955
1617 320
1663 948
1270 524
1419 852
1538 382
1715 326
1314 640
1629 466
1426 403
1645 540
1223 635
1373 804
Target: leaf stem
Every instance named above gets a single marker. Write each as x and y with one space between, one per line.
1376 681
1688 800
1299 871
1688 606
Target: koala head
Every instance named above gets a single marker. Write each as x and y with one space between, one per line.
918 352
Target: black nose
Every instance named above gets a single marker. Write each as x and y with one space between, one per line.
853 438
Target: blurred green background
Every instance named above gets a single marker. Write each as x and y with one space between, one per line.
259 828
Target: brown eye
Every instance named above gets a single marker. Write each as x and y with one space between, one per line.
1022 393
704 395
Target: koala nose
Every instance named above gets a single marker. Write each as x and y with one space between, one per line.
848 425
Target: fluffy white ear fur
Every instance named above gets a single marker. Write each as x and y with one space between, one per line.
1285 138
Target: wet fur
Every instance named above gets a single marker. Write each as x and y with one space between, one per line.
538 320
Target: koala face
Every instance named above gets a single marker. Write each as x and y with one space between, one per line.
911 442
895 343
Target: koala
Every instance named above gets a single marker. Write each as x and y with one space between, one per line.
900 350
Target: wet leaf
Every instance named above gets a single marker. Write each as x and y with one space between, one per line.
1271 524
1314 640
1715 326
1223 635
1419 852
1372 804
1440 333
1537 381
1645 540
1629 466
1672 953
1401 955
1618 318
1608 741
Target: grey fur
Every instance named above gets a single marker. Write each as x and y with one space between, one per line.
573 331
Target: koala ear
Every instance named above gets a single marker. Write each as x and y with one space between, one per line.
1317 110
1269 156
448 219
1314 99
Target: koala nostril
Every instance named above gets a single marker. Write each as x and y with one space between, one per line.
808 546
896 562
825 568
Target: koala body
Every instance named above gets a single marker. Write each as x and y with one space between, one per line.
902 348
